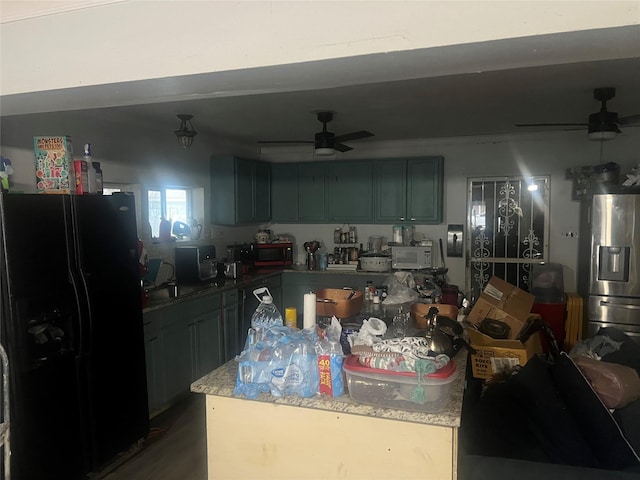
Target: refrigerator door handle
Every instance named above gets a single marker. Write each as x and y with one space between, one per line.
604 303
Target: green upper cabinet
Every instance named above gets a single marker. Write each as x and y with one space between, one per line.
409 190
350 191
240 191
311 192
284 192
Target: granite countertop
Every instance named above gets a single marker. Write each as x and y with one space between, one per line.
159 297
221 382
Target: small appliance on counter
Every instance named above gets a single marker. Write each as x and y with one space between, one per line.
272 254
195 264
242 253
411 258
233 269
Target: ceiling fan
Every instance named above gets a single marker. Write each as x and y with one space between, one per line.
602 125
325 142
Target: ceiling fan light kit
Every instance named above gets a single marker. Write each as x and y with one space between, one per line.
186 132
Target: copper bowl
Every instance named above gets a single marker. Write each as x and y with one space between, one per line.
419 310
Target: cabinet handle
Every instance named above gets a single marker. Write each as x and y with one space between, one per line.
413 219
402 219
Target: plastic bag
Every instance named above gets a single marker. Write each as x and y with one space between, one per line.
283 361
616 385
401 288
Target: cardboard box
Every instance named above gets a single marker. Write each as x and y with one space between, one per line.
495 356
503 301
54 164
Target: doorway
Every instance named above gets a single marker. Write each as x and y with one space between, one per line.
508 229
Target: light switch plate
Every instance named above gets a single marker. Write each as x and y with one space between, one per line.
455 240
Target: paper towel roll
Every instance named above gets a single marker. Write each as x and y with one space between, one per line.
309 312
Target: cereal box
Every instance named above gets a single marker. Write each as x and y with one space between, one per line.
54 164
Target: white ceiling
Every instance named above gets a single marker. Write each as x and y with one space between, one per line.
466 90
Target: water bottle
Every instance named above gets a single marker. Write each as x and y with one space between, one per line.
267 314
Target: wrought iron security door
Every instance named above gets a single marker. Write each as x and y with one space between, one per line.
508 229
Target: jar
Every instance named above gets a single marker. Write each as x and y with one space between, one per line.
337 235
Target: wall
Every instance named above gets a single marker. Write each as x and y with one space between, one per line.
150 158
94 46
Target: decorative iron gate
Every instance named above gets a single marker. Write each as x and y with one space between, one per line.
508 229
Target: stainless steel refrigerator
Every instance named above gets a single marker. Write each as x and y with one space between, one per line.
609 262
71 322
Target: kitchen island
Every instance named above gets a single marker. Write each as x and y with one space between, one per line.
324 437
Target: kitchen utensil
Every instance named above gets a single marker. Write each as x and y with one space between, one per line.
437 341
339 302
419 310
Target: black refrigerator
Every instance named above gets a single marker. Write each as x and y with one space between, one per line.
71 323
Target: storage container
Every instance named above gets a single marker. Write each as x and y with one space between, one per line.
342 303
385 388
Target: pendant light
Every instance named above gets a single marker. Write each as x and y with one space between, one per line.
186 132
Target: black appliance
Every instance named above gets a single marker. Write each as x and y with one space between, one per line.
195 264
71 323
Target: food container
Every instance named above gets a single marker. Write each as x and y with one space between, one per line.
342 303
375 263
419 310
390 389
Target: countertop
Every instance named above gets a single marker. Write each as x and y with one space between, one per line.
159 297
221 382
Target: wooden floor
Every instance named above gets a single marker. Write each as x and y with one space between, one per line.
175 449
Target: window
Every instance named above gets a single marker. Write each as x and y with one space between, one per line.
508 225
172 204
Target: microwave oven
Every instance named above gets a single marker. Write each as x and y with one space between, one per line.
195 264
411 258
272 254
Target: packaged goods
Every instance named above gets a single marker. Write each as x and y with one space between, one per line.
54 164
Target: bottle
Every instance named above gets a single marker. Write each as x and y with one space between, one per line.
99 180
267 314
91 172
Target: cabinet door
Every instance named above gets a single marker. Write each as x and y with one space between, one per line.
153 358
262 192
177 355
245 199
223 190
311 193
208 343
350 191
424 189
231 325
284 192
390 178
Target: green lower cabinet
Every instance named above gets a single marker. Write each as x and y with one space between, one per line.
176 348
154 361
183 342
231 325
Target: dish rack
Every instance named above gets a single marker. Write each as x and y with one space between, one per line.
5 424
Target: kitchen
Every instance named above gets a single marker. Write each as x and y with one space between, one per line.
120 146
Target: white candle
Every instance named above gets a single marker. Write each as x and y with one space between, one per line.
309 312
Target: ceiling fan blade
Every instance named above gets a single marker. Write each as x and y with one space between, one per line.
353 136
630 120
341 147
552 124
305 142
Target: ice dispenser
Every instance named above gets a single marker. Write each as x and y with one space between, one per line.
613 263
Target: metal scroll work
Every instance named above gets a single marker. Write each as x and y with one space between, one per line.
508 229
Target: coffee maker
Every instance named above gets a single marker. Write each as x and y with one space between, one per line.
242 253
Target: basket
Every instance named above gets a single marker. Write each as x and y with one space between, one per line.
335 301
